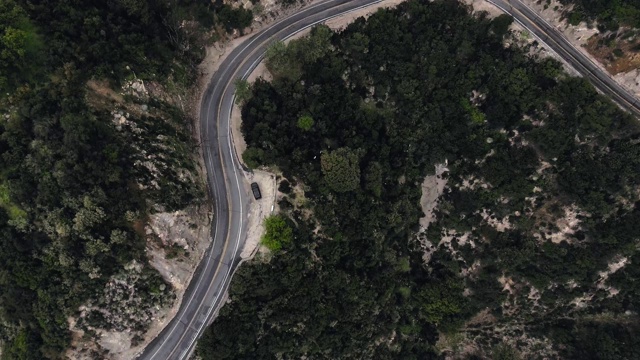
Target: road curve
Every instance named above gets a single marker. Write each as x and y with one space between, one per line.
224 175
555 40
229 192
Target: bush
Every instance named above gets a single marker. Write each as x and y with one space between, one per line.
277 234
341 169
253 157
305 122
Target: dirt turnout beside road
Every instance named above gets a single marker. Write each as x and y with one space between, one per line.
259 210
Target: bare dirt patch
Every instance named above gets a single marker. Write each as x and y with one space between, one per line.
259 210
567 225
555 221
617 53
484 317
184 237
102 88
617 263
432 187
501 225
102 96
631 80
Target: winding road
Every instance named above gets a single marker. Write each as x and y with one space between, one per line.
226 185
225 177
555 40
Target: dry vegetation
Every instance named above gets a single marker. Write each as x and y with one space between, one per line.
619 51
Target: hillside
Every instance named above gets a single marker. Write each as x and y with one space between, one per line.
103 214
449 195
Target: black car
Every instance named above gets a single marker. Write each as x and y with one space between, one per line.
256 191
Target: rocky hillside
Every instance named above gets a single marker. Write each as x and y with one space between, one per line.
103 212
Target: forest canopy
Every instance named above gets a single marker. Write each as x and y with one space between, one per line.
539 203
74 197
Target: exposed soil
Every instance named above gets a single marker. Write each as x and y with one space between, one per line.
501 225
601 284
567 225
101 96
236 133
620 54
617 54
259 210
631 80
175 245
432 187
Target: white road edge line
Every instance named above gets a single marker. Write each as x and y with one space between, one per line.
234 160
534 34
245 46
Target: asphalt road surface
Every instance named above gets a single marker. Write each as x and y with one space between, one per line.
230 193
554 39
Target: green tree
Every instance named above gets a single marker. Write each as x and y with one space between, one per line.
341 169
277 58
500 25
277 233
504 352
305 122
13 43
313 47
253 157
18 348
19 46
373 178
243 91
286 60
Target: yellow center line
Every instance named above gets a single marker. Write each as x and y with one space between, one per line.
224 173
244 61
